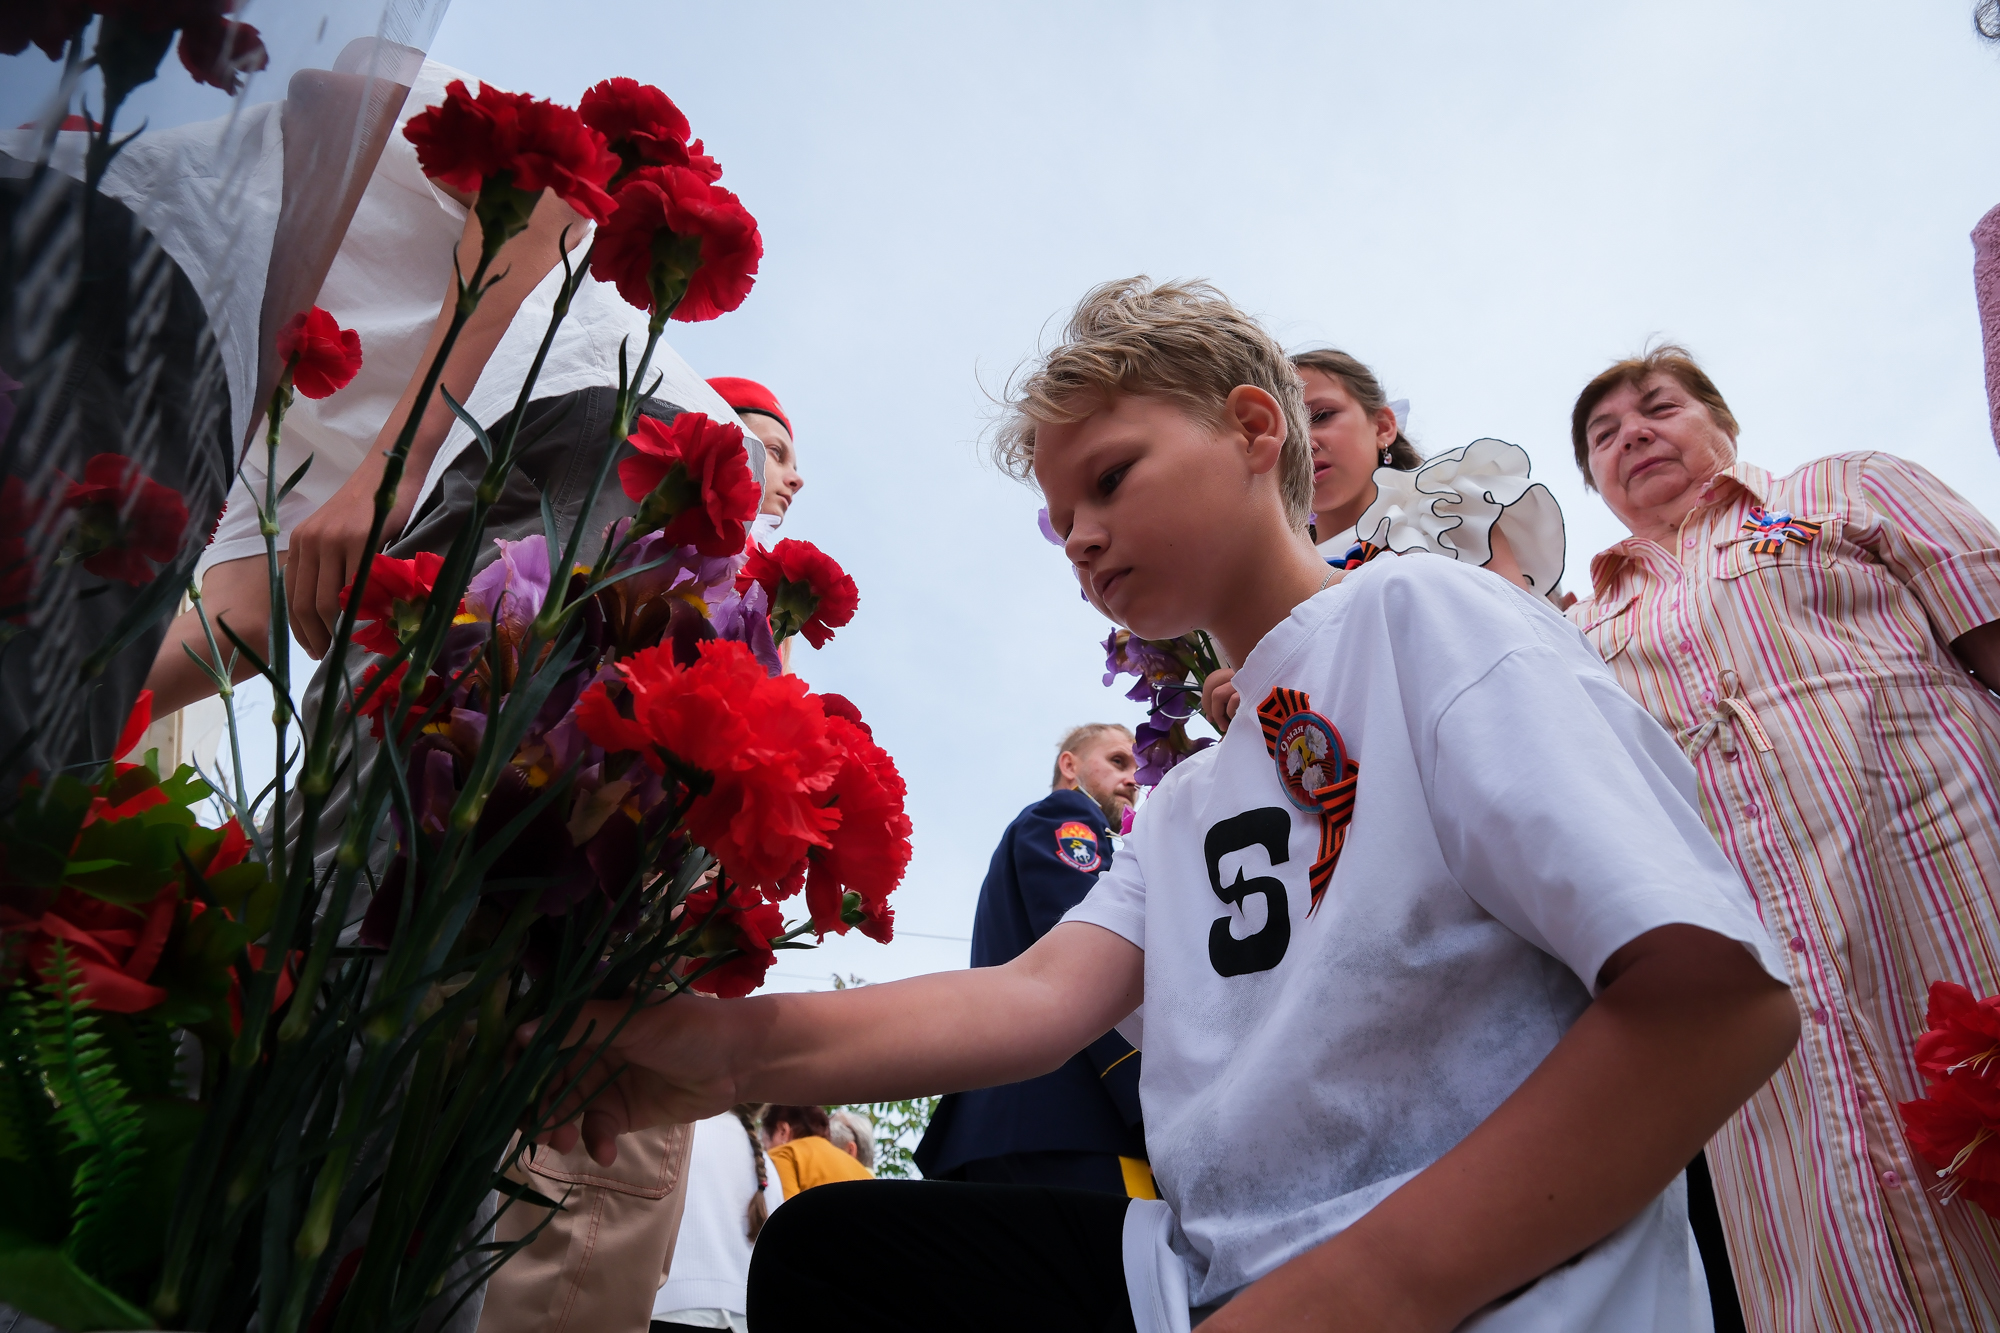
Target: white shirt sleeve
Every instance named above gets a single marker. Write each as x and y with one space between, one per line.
1118 900
1565 811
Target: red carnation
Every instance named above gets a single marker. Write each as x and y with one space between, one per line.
383 700
643 126
17 566
111 947
679 242
124 519
328 357
758 742
692 479
809 594
48 24
218 51
741 923
869 851
513 144
392 604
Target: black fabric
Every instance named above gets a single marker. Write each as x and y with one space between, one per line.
1706 1219
1096 1171
107 349
1049 858
967 1258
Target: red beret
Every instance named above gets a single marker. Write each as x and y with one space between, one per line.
750 396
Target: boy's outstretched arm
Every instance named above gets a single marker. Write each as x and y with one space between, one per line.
1686 1027
694 1057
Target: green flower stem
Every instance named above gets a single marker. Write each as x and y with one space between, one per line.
193 1199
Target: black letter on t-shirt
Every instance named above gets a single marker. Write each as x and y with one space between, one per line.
1269 828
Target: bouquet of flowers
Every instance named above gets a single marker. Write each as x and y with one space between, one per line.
1955 1125
243 1083
1170 676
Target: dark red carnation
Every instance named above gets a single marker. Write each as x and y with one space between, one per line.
692 479
111 947
679 241
511 141
643 126
324 357
17 566
383 700
808 592
740 923
393 602
48 24
870 849
124 519
839 705
219 51
758 741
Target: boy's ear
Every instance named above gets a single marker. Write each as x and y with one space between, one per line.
1259 424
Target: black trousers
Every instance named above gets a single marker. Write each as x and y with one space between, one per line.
968 1258
1099 1171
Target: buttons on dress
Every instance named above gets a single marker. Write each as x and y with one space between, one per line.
1752 810
1798 943
1689 543
1821 1016
1891 1180
1686 646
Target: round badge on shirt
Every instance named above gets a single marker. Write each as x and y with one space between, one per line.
1076 844
1310 757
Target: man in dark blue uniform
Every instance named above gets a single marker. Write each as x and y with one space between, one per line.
1079 1126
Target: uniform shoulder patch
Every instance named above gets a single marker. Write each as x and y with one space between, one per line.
1076 844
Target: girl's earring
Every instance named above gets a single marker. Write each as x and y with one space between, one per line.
1385 458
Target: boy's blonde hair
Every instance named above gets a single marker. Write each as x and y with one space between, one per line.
1182 341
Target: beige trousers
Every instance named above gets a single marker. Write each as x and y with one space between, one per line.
597 1265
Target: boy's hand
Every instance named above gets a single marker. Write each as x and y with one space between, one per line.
694 1057
1219 699
1686 1028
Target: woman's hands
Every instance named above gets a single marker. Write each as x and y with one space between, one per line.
1219 699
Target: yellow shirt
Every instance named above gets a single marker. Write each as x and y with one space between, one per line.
813 1160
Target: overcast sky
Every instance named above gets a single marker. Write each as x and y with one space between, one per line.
1485 202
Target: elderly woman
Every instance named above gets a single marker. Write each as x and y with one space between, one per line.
1818 642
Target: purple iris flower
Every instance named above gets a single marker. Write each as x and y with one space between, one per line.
512 587
746 619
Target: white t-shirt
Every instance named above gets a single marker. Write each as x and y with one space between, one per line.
1517 819
209 193
583 356
711 1265
387 281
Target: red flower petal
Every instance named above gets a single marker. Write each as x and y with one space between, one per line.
468 142
329 357
135 725
804 585
693 236
693 480
218 51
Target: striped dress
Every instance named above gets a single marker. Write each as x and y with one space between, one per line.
1850 767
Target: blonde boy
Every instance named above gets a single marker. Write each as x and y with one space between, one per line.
1444 980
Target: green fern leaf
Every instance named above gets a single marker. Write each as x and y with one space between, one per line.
93 1105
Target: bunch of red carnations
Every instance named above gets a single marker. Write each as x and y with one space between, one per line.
1955 1125
667 730
271 1075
